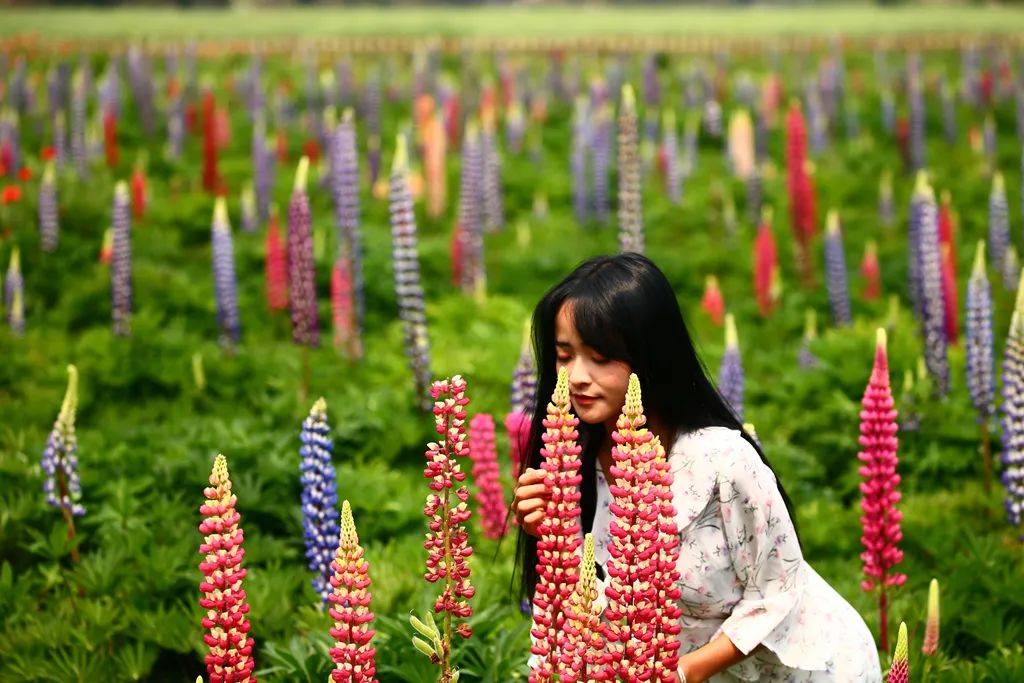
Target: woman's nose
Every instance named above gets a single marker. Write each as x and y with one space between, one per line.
579 375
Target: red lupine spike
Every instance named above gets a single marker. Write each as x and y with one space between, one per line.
211 176
276 267
765 265
951 323
110 138
871 272
712 301
354 657
801 191
139 195
346 336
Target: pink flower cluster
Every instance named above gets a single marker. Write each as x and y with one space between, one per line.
447 542
582 649
642 614
230 657
489 496
353 655
558 556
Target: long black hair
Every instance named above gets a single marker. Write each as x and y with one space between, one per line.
624 308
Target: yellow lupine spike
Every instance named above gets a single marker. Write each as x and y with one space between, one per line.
832 222
998 184
400 162
561 396
978 270
810 324
15 264
220 212
931 628
121 189
349 537
586 586
302 174
732 340
49 173
320 406
628 98
881 339
900 653
70 405
634 407
220 470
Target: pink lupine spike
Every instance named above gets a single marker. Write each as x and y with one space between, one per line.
583 645
712 301
346 335
229 659
489 495
558 558
354 657
931 624
899 672
880 520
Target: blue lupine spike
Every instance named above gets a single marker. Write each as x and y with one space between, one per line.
932 305
60 139
914 281
980 365
915 96
524 378
998 223
835 272
578 160
59 462
1012 410
49 225
493 202
319 497
121 261
224 281
78 125
631 220
730 373
345 191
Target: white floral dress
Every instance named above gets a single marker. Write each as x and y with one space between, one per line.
742 572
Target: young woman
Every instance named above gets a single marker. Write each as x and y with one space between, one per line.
753 609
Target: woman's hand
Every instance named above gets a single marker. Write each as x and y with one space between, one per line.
531 498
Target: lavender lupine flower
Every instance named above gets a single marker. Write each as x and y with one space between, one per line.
345 191
998 223
1012 410
712 117
631 227
915 96
601 156
969 68
578 159
914 220
888 111
263 168
730 373
405 254
176 124
524 378
319 497
10 140
886 214
471 199
140 79
247 203
225 284
1011 268
755 194
805 357
948 98
60 139
980 380
301 268
79 102
62 487
493 203
49 226
371 114
835 271
652 89
988 139
121 261
670 147
690 130
932 305
14 293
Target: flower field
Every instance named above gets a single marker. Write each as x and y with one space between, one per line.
315 259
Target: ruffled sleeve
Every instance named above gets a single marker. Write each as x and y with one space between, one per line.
767 560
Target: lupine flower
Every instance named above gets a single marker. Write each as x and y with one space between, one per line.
766 264
871 272
915 98
988 139
712 301
801 199
354 657
557 548
1012 410
250 217
998 223
223 598
139 192
493 203
301 275
835 271
447 542
49 227
947 228
469 264
642 614
980 380
886 214
600 137
405 255
670 149
107 247
60 460
578 160
211 176
631 227
121 261
690 129
741 144
899 672
730 373
79 95
319 496
60 139
263 168
1011 268
755 193
805 357
584 640
931 624
524 377
489 496
110 138
225 284
345 191
951 323
346 331
932 304
275 267
880 520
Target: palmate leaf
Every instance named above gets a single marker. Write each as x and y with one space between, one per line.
303 658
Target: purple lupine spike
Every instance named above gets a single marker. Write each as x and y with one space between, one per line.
121 261
343 81
60 139
805 356
345 191
313 104
78 124
52 93
948 100
980 367
225 284
1012 410
888 102
690 131
835 271
14 294
712 117
263 168
176 124
578 160
10 140
755 194
409 290
730 373
631 226
652 89
998 223
493 201
470 226
140 80
62 487
670 148
110 88
988 137
319 497
914 222
49 225
524 378
915 97
886 213
19 96
933 306
600 129
371 114
301 268
254 97
969 78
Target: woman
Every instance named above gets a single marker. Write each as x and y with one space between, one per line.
753 609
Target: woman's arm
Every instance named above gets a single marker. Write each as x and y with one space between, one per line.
706 661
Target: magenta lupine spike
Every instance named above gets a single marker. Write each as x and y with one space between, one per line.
225 284
447 541
899 672
631 226
301 274
880 520
665 622
354 656
49 227
121 261
405 256
489 495
345 191
229 659
558 558
931 624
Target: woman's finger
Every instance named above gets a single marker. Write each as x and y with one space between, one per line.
531 491
531 504
533 517
531 476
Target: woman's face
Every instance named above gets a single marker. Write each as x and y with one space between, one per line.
597 385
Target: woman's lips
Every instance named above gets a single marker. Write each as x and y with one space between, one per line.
584 400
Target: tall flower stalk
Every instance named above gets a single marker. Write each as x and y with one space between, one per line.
14 294
880 520
60 461
805 357
558 558
49 226
980 364
998 223
319 496
835 271
899 671
1012 410
345 191
489 496
931 623
631 220
121 261
301 275
447 541
225 284
871 272
766 265
229 658
584 634
712 301
275 267
801 191
933 313
730 372
353 654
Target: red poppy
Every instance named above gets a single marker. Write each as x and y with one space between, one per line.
25 174
48 153
11 194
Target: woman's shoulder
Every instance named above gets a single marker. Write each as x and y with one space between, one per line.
715 450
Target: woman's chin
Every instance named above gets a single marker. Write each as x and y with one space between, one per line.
592 414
